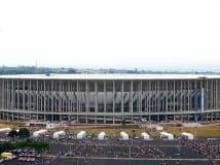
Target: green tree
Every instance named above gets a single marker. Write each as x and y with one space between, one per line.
13 133
24 133
6 146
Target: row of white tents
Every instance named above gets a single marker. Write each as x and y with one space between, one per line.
102 135
169 136
56 135
123 135
82 135
144 135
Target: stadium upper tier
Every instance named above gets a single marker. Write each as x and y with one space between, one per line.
111 76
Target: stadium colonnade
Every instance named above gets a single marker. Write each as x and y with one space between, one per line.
110 98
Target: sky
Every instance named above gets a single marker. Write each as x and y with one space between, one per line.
143 34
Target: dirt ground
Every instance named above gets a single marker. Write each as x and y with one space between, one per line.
205 130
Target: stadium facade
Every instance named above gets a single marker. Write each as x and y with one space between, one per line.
110 98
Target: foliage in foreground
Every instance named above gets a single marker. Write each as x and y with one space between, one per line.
21 133
39 146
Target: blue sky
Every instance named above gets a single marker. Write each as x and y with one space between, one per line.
170 35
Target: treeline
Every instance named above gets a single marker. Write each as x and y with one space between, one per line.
39 146
34 70
70 70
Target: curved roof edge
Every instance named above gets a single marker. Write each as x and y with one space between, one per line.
110 76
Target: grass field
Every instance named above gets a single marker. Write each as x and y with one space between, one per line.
206 130
212 130
14 125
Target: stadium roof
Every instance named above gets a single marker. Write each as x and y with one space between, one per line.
110 76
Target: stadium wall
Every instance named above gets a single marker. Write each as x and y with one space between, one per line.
109 101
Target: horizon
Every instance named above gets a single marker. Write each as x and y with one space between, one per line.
139 70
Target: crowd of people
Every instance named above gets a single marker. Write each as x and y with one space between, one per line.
137 148
90 147
210 149
112 148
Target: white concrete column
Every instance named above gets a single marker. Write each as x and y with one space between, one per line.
202 99
131 99
113 108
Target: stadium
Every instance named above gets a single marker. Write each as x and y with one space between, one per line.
110 98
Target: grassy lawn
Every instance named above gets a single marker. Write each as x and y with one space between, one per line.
206 130
112 131
15 125
203 131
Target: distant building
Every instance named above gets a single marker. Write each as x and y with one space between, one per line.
110 98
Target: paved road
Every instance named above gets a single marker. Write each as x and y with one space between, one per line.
71 161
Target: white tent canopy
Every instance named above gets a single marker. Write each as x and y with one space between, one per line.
39 132
58 134
5 130
81 135
189 136
159 128
166 135
124 136
101 136
145 136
